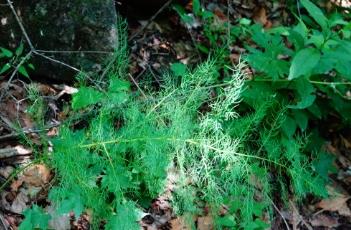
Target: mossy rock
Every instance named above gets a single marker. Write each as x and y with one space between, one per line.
65 25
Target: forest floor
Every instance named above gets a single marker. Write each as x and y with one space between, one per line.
153 48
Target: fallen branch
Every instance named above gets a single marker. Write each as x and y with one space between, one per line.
14 152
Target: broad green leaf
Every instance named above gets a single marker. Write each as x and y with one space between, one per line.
126 218
226 221
118 85
6 67
22 70
304 103
118 97
6 52
206 14
182 13
301 29
245 21
19 50
289 126
316 39
315 13
196 7
86 96
324 164
30 65
73 203
34 218
304 62
296 38
179 69
301 119
305 91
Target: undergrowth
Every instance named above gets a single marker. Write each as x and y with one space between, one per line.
117 159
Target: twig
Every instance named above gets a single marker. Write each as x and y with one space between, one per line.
299 216
21 26
281 214
18 134
57 61
75 51
3 223
150 20
137 85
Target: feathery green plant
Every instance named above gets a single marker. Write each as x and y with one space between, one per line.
119 161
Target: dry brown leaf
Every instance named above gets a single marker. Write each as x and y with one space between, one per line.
260 16
16 184
323 220
6 171
179 224
205 223
20 203
346 142
37 175
52 132
336 204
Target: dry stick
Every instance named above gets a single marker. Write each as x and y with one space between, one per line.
150 20
75 51
21 26
281 214
11 152
137 85
2 221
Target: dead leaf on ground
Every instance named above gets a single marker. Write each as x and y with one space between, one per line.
20 203
179 224
205 223
16 184
346 142
336 204
323 220
6 171
52 132
37 175
260 16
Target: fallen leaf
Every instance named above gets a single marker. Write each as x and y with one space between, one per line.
6 171
57 221
20 203
260 16
346 142
323 220
37 175
336 204
204 223
16 184
179 224
220 14
52 132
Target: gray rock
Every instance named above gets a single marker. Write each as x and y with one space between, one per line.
65 25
